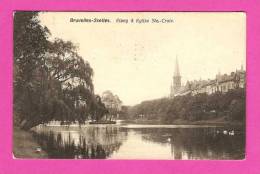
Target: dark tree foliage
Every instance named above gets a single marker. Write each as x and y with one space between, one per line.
51 81
98 109
230 105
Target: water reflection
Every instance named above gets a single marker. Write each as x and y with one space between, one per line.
130 142
88 143
202 143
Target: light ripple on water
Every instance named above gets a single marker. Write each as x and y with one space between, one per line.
167 126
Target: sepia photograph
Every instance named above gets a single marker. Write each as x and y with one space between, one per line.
129 85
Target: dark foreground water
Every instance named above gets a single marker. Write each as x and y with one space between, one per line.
141 142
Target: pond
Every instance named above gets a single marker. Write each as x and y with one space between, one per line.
129 141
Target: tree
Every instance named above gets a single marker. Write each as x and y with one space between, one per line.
237 110
51 81
192 108
30 45
112 103
98 109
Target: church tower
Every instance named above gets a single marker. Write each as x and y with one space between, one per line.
176 85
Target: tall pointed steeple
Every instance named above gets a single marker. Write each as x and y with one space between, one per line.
176 68
176 85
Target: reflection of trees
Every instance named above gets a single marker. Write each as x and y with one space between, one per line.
92 143
200 143
99 142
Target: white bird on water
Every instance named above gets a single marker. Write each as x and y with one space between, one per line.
38 149
225 132
232 133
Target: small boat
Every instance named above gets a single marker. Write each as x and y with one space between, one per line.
102 122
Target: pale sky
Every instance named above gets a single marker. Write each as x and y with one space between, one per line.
136 61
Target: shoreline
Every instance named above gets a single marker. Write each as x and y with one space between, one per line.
183 122
25 146
158 122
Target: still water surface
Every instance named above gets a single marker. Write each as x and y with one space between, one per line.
141 142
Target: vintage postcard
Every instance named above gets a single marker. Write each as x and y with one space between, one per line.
129 85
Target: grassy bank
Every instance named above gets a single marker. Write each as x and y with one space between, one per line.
24 145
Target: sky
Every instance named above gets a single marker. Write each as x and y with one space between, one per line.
136 60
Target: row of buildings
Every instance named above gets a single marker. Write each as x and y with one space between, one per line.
222 83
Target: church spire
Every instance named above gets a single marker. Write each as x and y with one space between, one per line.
176 85
176 69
